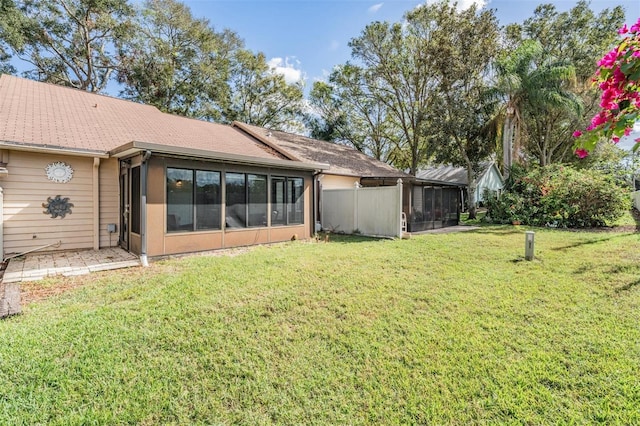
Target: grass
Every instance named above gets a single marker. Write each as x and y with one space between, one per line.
443 329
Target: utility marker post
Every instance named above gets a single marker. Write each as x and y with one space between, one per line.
529 245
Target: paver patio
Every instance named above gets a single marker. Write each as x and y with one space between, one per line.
36 266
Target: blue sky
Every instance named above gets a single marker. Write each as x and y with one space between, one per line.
305 39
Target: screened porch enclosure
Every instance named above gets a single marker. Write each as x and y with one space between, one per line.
434 207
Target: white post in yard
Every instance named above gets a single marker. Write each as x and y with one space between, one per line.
529 245
399 186
355 206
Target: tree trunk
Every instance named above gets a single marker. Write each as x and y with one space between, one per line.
471 190
507 147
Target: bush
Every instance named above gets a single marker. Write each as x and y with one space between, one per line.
560 196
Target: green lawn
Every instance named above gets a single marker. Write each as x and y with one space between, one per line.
440 329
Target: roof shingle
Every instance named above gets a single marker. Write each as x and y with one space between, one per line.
343 160
47 115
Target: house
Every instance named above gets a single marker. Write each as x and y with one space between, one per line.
80 170
426 204
489 177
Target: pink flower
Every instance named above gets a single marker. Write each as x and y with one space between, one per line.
598 120
577 134
609 59
582 153
627 131
623 30
615 139
619 79
635 27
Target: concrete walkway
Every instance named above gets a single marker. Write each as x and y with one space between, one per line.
36 266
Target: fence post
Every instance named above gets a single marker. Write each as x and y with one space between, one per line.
399 223
355 206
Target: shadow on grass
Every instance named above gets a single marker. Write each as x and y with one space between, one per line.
592 241
500 230
628 286
348 238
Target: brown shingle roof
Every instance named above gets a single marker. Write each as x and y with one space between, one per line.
343 160
47 115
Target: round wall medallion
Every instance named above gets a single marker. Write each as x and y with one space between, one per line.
59 172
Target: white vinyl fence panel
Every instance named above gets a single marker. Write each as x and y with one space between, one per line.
635 196
369 211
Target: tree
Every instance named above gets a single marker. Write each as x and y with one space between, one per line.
176 62
532 88
261 96
469 43
345 112
8 24
396 62
69 42
570 42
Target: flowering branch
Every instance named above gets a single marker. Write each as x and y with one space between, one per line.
618 76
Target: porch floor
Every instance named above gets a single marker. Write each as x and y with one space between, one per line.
36 266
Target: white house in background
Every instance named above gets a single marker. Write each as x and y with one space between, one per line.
489 177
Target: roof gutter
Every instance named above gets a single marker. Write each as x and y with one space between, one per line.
440 182
52 149
136 147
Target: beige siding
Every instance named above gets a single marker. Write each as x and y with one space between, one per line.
26 188
109 201
338 182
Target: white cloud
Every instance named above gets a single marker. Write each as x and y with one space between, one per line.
287 69
376 7
464 4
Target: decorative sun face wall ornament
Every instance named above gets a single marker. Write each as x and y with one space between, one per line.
57 206
59 172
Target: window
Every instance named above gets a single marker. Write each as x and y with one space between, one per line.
257 189
246 200
287 200
236 211
278 201
207 200
136 199
295 189
193 200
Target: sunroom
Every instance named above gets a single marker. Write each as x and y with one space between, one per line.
178 200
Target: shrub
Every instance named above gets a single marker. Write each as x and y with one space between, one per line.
560 196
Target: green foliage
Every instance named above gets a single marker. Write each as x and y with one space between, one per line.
176 62
612 160
557 93
355 331
72 42
560 196
344 111
261 96
414 89
469 43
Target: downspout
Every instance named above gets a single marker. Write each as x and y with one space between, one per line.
143 207
96 203
314 195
